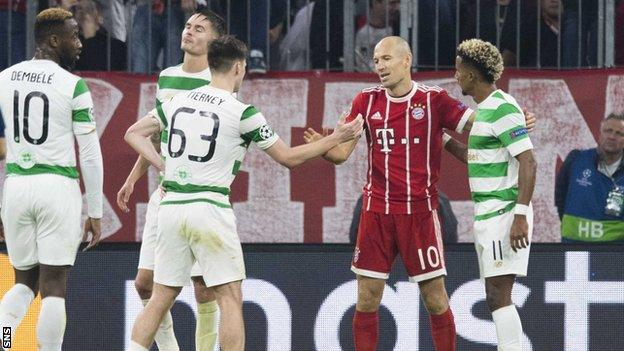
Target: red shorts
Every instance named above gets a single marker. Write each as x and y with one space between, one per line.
416 237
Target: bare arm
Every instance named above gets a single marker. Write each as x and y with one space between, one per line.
138 170
456 148
338 154
137 136
526 176
293 156
519 234
142 164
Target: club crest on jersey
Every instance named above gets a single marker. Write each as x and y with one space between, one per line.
418 111
266 132
182 175
26 160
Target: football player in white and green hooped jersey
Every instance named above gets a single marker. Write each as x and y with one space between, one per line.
206 135
44 108
200 29
501 171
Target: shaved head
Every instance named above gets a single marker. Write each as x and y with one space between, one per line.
394 43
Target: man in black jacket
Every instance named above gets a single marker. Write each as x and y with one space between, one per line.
95 41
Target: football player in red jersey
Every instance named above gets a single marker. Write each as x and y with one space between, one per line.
404 122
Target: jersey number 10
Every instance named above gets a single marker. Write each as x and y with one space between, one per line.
16 117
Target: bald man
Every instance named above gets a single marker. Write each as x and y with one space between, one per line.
404 122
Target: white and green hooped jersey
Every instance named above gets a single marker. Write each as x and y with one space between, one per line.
43 107
205 134
498 134
173 80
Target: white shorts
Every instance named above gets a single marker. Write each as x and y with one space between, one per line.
491 238
150 233
41 216
202 232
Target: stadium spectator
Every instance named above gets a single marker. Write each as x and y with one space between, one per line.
382 16
306 44
589 189
15 34
427 14
586 34
293 50
95 41
258 28
492 14
115 14
155 28
327 54
550 12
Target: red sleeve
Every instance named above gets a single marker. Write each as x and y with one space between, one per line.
357 107
452 113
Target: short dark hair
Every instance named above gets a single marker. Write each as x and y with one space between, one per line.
49 22
217 23
224 51
615 116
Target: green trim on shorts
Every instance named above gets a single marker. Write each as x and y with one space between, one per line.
14 168
502 211
183 202
193 188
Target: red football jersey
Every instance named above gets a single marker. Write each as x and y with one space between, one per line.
404 137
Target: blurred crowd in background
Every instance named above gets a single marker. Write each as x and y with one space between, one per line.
143 36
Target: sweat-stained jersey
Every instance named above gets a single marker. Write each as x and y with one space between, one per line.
205 134
404 137
43 106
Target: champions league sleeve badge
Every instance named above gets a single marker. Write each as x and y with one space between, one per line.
266 132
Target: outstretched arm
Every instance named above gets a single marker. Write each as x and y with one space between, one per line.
293 156
338 154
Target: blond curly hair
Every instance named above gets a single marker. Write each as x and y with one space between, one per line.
483 56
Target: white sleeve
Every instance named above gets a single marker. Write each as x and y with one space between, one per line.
254 128
92 169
